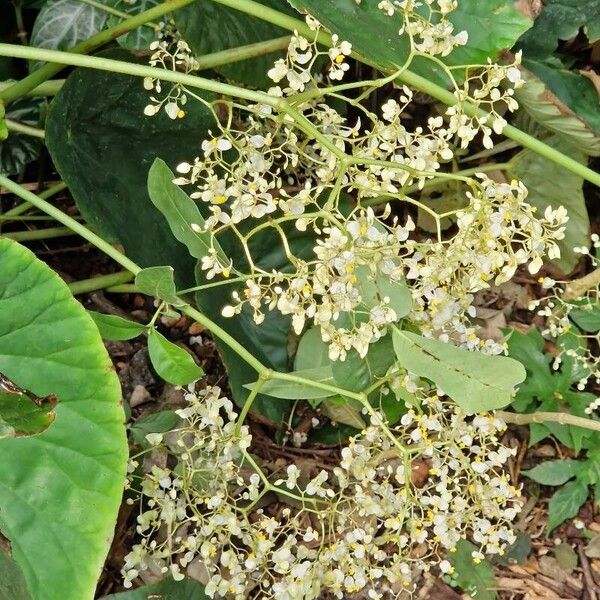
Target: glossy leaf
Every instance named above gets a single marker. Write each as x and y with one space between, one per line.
187 589
103 146
477 579
18 149
61 24
312 351
551 185
113 327
588 320
12 581
180 211
554 472
72 474
140 38
563 102
160 283
560 20
342 410
492 26
172 362
475 381
356 373
566 502
21 415
159 422
196 23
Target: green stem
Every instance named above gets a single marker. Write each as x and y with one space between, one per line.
38 234
432 183
47 71
549 417
21 29
24 129
51 191
125 288
99 283
47 88
226 57
262 379
69 222
115 12
418 82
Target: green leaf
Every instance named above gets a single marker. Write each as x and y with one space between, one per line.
588 320
554 472
560 20
312 351
292 390
563 102
23 413
16 149
167 589
180 211
210 27
160 283
12 581
61 24
341 410
475 381
113 327
492 26
159 422
566 502
170 361
374 290
90 135
60 491
140 38
356 373
552 185
476 579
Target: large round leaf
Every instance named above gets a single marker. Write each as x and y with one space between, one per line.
59 491
103 146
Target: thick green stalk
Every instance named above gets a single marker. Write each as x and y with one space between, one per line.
226 57
24 129
47 71
21 208
38 234
420 83
100 283
47 88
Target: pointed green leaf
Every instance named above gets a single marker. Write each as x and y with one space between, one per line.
373 291
159 422
477 579
554 472
141 37
587 319
341 410
160 283
23 416
113 327
60 491
180 211
566 502
172 362
476 382
312 351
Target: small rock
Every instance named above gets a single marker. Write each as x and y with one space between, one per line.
140 395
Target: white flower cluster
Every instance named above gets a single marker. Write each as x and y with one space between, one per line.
276 172
174 56
396 505
557 310
430 30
